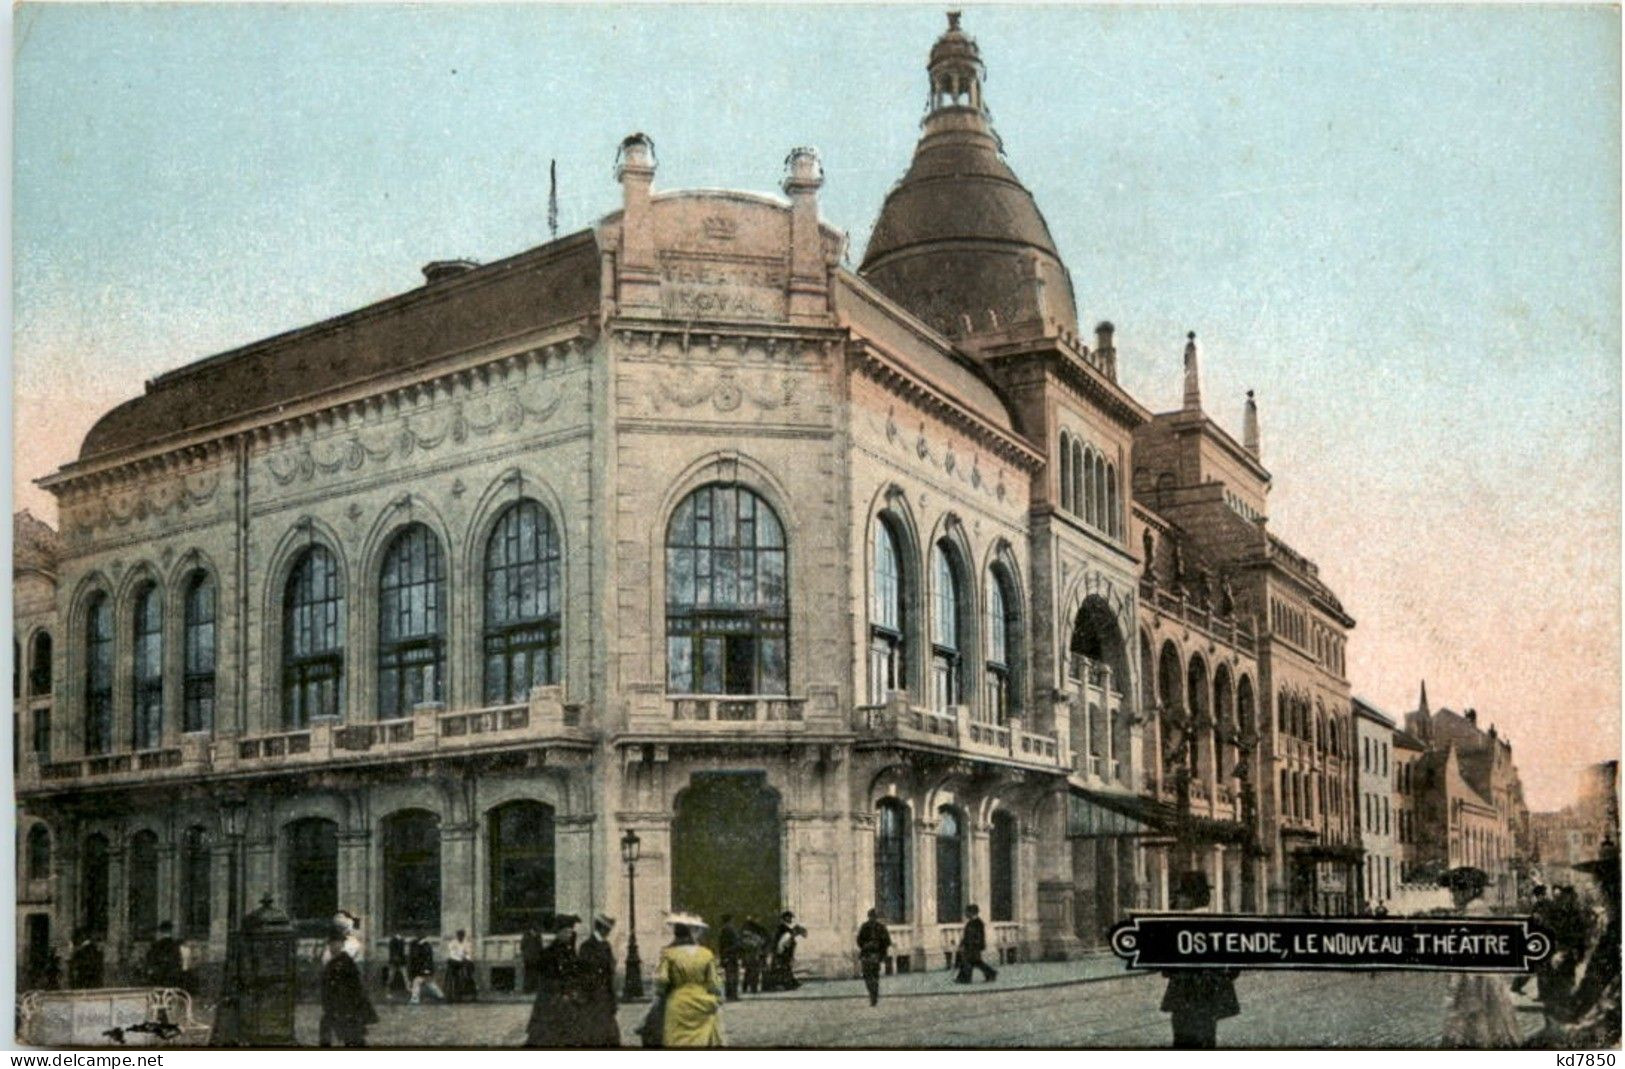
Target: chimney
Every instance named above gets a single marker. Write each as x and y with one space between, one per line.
639 274
439 270
1193 376
1472 717
1249 427
809 289
1104 348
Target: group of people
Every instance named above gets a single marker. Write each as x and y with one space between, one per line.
754 961
574 985
410 974
163 965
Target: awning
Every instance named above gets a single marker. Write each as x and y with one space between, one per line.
1093 813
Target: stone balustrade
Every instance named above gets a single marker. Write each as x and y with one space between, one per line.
737 711
956 730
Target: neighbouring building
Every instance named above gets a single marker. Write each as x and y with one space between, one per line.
1376 787
1576 833
827 589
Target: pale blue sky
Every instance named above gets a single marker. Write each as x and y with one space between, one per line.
1400 225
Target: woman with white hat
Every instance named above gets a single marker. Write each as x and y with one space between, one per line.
691 985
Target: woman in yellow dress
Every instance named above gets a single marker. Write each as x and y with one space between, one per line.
689 981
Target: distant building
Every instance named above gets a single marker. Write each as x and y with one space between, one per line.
1374 793
36 552
1576 833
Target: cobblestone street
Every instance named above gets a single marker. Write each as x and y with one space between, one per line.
1278 1010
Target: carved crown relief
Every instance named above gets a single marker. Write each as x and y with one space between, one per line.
946 461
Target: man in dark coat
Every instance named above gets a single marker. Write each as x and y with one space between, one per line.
552 1015
593 992
729 948
873 943
163 966
753 950
420 963
395 979
530 956
85 964
972 942
1198 999
346 1010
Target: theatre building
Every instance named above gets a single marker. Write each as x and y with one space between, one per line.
825 585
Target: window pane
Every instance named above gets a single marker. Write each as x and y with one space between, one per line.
411 648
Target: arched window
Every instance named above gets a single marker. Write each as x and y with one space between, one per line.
411 623
313 641
143 884
1199 705
147 707
1078 495
522 865
727 598
1001 846
195 868
887 607
1066 471
99 676
1002 632
39 671
39 853
1113 517
891 860
412 872
313 873
522 596
1100 492
946 644
94 884
1091 513
950 865
197 713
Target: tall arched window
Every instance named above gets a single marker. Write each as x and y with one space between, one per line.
195 881
39 671
411 623
891 860
313 641
1066 471
522 595
1002 634
950 865
197 712
886 615
39 853
522 865
313 873
99 675
143 884
1114 520
94 884
147 706
1001 847
412 872
946 639
727 597
1078 495
1100 492
1091 513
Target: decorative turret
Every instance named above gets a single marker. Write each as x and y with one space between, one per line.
960 242
1193 376
1249 428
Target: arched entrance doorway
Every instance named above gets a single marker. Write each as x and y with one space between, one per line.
725 848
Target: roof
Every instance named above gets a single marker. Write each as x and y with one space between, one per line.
1406 740
35 544
1363 708
554 283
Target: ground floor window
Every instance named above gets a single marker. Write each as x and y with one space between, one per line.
523 862
1002 848
412 872
950 866
891 860
143 885
313 873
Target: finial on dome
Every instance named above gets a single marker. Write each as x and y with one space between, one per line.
953 20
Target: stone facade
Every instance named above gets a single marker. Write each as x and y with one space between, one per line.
1375 793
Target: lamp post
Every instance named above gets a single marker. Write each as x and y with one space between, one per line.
228 1025
633 989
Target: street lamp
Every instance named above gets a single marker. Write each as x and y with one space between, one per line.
633 989
228 1017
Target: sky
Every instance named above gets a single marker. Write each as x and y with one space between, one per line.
1400 226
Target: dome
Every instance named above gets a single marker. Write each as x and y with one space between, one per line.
960 242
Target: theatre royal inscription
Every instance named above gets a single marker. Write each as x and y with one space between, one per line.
721 289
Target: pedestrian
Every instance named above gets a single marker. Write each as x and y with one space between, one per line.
460 985
593 994
396 979
85 963
972 942
163 967
552 1015
781 967
873 943
353 944
346 1010
1197 999
730 946
420 964
753 941
688 980
1481 1014
530 957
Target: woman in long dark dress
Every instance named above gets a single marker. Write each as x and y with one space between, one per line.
1197 999
552 1015
346 1010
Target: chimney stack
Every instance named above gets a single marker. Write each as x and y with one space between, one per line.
1104 349
639 274
809 288
1249 427
1193 376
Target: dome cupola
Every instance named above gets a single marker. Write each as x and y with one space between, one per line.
960 241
